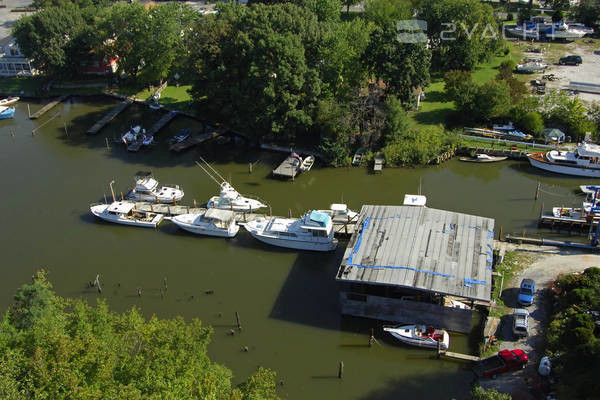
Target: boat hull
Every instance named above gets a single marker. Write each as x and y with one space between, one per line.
252 205
563 169
295 244
476 160
134 196
8 113
427 343
200 230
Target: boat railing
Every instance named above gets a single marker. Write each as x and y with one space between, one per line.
97 203
254 198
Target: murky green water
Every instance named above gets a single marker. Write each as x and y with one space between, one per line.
288 301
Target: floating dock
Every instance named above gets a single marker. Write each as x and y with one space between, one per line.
194 140
48 107
379 160
458 356
577 225
289 168
164 120
109 117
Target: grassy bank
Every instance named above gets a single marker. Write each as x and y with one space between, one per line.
486 144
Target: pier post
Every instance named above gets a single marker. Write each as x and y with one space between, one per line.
28 111
66 131
500 234
537 191
195 206
107 146
249 168
122 196
371 338
244 216
237 320
165 283
112 191
341 370
289 213
270 211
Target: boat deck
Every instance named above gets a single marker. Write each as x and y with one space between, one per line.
289 168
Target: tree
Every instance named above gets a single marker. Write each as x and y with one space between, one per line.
460 88
588 12
53 348
560 7
461 33
385 13
350 3
479 393
493 100
397 121
516 86
532 122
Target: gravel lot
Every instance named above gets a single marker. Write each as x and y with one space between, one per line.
8 19
547 264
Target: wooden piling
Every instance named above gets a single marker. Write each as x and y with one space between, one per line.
139 290
341 370
237 320
165 282
249 168
289 213
371 338
122 196
195 206
537 190
107 146
270 211
66 131
500 234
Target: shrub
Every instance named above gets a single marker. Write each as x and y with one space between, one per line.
532 122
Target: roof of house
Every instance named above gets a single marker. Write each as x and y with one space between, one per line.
422 248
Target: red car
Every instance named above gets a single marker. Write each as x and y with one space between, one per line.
504 361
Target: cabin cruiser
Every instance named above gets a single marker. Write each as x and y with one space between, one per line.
229 198
524 32
124 212
314 231
564 31
6 112
584 161
212 222
420 335
147 189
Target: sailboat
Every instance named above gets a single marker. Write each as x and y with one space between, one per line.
228 198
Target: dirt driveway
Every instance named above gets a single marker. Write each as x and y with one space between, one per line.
546 264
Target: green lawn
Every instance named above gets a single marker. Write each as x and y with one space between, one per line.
485 144
176 98
435 109
27 84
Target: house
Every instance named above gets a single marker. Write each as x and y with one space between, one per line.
13 62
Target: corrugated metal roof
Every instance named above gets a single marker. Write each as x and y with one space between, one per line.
423 248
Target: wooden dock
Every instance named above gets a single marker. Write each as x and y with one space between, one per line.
109 117
48 107
550 242
458 356
164 120
289 168
341 228
379 161
194 140
580 226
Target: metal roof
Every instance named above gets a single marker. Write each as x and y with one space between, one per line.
422 248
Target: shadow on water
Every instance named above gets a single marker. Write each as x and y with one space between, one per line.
309 295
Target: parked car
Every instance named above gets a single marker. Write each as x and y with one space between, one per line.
526 292
570 60
520 322
504 361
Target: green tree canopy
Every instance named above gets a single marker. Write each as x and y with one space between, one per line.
55 348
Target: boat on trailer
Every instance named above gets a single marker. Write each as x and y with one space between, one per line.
212 222
148 189
125 213
420 335
314 231
229 198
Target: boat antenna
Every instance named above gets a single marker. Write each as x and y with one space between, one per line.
208 173
212 169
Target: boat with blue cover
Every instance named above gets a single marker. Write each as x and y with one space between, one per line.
7 112
314 231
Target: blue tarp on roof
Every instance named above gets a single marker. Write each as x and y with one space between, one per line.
320 218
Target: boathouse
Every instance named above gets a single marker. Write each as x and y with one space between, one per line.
414 264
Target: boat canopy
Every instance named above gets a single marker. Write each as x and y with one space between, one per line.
121 207
589 150
320 218
220 215
338 207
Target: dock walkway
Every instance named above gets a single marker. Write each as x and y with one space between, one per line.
194 140
48 107
458 356
164 120
289 168
109 117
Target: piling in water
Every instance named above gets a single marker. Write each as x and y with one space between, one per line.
341 370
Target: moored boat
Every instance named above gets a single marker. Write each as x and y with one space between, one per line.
584 161
6 112
133 135
8 101
314 231
124 212
340 212
147 188
307 163
358 157
184 134
212 222
589 189
420 335
482 158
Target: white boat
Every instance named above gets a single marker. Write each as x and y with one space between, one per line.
229 198
482 158
524 32
314 231
340 212
124 212
589 189
132 135
564 31
505 127
8 101
212 222
531 67
420 335
184 134
307 163
584 161
147 189
576 214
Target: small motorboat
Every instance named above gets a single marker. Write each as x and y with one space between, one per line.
340 212
212 222
132 135
8 101
147 189
420 335
482 158
307 163
184 134
358 157
124 212
7 112
148 140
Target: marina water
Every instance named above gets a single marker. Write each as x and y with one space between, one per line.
287 300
